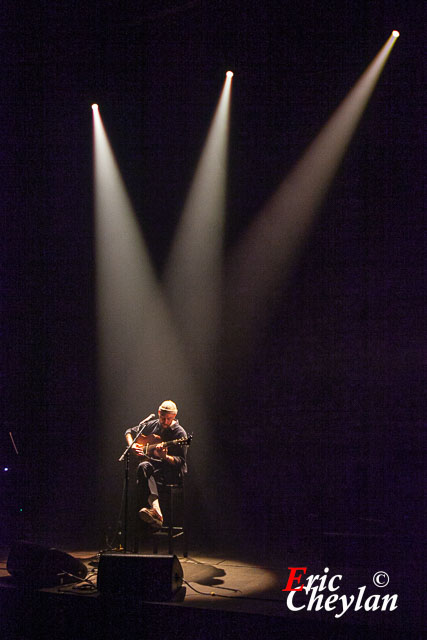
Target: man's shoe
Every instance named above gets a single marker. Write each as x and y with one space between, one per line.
152 517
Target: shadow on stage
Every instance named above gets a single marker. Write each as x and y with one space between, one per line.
366 587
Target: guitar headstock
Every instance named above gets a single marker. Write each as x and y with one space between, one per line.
185 441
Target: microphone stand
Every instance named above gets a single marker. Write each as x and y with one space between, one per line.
125 456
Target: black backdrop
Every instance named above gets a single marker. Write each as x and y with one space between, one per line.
332 392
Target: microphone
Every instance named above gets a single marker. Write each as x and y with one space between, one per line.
152 415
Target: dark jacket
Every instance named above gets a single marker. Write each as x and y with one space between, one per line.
175 432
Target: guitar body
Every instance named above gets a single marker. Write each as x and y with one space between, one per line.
148 443
153 438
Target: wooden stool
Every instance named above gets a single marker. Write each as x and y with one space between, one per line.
170 495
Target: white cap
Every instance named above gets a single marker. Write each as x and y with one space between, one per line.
168 406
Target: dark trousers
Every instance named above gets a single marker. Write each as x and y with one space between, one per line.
149 475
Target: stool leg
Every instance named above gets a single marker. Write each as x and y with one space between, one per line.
172 530
171 521
184 526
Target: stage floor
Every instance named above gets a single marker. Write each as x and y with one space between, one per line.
231 593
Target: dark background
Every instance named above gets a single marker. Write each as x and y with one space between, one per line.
324 423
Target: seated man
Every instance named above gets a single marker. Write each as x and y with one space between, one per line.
162 463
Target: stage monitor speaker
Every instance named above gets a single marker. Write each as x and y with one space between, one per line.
43 567
151 578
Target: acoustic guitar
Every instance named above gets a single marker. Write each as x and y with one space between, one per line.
151 441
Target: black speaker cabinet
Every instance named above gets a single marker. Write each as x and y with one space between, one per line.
151 578
42 567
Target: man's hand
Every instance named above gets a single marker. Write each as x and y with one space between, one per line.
138 449
160 452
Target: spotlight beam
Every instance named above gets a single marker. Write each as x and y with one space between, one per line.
267 251
193 273
136 339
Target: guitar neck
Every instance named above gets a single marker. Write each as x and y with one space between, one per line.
151 447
